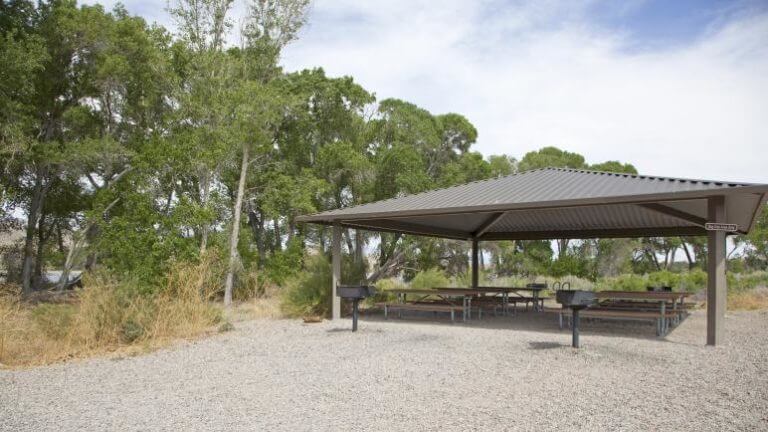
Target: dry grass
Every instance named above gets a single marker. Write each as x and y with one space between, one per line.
267 305
749 300
108 316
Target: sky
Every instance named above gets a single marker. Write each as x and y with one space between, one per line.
677 88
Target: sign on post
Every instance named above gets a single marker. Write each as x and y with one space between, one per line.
711 226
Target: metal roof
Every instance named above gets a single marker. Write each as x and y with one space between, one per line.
556 203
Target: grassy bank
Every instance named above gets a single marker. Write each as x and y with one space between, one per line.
107 316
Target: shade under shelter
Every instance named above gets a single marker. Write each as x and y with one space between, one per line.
559 203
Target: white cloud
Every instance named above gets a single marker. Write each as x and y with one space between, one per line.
535 73
539 74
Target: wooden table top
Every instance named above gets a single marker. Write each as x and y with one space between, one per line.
499 289
642 295
438 292
456 291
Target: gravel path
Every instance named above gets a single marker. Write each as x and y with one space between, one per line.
495 374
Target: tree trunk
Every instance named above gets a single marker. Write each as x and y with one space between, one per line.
33 219
348 238
77 243
390 268
652 258
687 254
59 238
233 257
291 228
278 235
204 201
42 238
256 222
358 246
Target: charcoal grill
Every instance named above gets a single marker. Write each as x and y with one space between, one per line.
355 293
576 300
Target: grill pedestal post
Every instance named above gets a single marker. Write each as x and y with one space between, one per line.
355 293
354 314
575 328
575 300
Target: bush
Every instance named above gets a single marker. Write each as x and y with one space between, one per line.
131 331
383 287
307 293
747 281
693 280
284 264
428 279
625 282
465 279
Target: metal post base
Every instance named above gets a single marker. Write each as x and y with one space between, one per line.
575 329
354 314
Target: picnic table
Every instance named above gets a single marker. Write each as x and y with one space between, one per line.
448 295
451 294
534 289
635 298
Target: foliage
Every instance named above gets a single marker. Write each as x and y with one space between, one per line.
285 264
383 288
756 242
133 153
693 280
307 293
430 278
747 281
551 157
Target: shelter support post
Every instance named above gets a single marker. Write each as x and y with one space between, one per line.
475 264
336 266
716 282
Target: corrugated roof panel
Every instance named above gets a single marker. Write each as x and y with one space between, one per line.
584 218
558 202
537 187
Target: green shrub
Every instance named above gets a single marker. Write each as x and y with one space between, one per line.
664 278
430 278
226 326
693 280
282 265
307 293
625 282
747 281
131 331
465 279
383 287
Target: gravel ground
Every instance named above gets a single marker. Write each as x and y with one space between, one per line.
496 374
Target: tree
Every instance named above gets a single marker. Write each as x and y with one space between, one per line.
551 157
756 242
270 25
63 86
204 99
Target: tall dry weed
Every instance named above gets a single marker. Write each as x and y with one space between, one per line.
109 315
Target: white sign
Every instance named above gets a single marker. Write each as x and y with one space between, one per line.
709 226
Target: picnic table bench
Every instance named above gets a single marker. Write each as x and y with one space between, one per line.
664 307
638 315
422 306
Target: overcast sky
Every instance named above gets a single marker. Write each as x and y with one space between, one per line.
677 88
